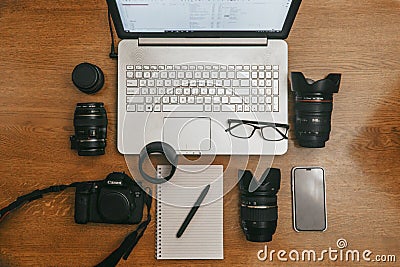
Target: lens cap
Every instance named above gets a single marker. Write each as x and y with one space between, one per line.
88 78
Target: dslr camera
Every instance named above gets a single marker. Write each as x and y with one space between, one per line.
259 208
117 199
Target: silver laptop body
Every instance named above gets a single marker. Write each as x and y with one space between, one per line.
183 89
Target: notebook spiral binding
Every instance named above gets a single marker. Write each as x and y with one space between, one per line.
158 217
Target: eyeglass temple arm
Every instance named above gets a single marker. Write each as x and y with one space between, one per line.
282 134
232 127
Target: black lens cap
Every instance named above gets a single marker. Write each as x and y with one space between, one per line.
88 78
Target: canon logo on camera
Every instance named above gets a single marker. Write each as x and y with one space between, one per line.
114 182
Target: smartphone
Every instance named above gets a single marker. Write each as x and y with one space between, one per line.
309 199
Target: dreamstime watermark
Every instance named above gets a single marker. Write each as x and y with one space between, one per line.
333 254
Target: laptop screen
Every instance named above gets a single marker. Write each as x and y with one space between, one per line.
180 16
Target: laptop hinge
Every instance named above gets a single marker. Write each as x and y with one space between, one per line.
204 41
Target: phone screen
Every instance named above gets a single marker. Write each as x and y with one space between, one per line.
309 207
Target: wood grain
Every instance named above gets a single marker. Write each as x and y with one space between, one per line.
42 41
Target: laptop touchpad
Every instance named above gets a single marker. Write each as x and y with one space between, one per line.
188 134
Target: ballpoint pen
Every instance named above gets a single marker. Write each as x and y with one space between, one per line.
193 211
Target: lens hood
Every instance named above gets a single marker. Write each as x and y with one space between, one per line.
162 148
329 85
269 183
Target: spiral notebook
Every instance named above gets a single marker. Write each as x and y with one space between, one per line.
203 238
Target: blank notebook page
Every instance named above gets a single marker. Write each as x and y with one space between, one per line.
203 238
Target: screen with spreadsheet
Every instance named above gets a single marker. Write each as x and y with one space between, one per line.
152 16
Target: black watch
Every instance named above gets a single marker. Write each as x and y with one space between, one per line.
163 148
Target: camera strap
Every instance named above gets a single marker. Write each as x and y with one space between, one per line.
126 247
33 196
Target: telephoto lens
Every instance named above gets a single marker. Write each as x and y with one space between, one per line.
90 122
259 207
313 108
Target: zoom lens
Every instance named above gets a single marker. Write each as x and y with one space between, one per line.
313 120
313 108
90 122
259 207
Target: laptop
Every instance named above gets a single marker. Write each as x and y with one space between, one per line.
207 77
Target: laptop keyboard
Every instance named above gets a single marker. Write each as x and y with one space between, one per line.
202 88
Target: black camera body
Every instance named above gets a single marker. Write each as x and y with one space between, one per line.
117 199
258 204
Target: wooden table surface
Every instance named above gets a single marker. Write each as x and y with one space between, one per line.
41 42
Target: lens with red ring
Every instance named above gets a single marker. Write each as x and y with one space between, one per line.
313 108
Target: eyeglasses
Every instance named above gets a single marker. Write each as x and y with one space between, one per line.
269 131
